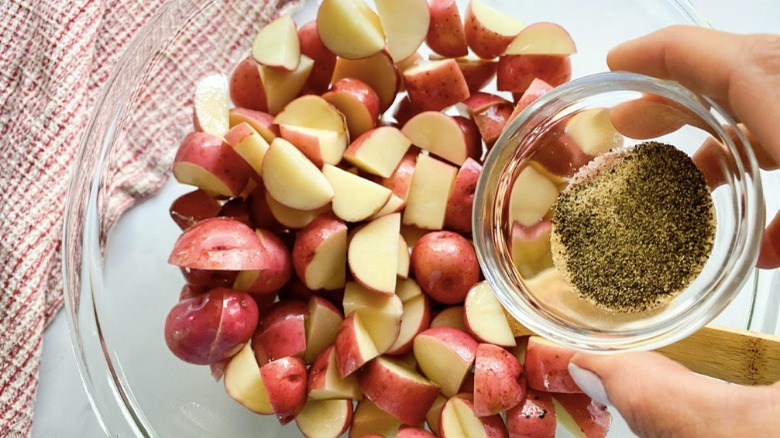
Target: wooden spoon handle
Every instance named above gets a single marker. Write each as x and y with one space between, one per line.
734 355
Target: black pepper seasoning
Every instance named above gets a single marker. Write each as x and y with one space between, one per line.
634 227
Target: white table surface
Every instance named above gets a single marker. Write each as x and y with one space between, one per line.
62 409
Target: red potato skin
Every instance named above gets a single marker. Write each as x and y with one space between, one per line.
461 342
191 290
236 208
547 367
491 114
210 327
246 87
278 271
207 278
473 138
401 178
516 72
260 121
535 418
259 211
499 383
309 238
190 208
478 73
347 354
406 110
559 153
324 59
592 417
413 432
424 325
457 217
535 90
282 339
219 244
215 155
306 143
445 266
482 41
285 382
379 385
282 310
361 93
434 90
445 32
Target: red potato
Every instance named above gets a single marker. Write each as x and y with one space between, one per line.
445 265
491 114
461 200
320 253
358 102
516 72
457 419
499 383
535 418
445 33
236 209
276 44
276 272
321 327
324 60
325 418
208 279
433 414
413 432
378 71
477 72
354 346
445 355
285 383
471 134
378 151
582 416
397 390
398 182
488 30
243 381
191 290
282 86
246 87
325 382
192 207
405 24
530 248
535 90
450 317
547 366
349 28
260 121
416 318
282 332
219 244
291 218
435 85
210 327
259 212
405 110
207 162
485 317
381 313
370 421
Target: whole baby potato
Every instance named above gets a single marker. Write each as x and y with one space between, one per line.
210 327
445 266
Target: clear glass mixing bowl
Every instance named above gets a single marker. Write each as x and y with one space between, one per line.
118 284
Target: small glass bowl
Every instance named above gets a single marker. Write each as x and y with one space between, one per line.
542 146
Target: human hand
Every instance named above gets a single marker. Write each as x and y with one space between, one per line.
657 396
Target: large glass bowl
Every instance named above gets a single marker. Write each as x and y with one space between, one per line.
118 284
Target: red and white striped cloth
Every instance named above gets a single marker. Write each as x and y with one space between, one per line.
54 57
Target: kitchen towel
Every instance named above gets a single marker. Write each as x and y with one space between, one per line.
54 57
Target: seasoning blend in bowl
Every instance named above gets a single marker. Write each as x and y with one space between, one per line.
634 227
616 213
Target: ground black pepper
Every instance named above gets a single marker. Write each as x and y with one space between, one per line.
634 227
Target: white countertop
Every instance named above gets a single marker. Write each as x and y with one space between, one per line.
62 408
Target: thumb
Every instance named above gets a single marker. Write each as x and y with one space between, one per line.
659 397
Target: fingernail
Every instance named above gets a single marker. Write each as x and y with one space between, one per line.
590 384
